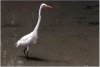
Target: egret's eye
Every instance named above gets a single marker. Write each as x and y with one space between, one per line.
44 6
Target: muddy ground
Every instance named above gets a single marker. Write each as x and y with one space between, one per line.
68 33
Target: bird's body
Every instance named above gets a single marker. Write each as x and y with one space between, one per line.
32 37
27 40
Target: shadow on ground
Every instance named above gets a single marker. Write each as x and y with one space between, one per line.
39 59
33 58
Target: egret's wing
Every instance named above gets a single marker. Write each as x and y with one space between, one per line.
26 37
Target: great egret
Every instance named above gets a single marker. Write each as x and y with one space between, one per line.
32 37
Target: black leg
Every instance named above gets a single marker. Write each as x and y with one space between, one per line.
25 51
27 54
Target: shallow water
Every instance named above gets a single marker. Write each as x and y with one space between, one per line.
68 33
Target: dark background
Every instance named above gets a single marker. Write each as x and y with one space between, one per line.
68 33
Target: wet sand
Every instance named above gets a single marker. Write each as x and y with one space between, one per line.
68 33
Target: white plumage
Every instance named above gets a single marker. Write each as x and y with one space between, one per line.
28 39
32 37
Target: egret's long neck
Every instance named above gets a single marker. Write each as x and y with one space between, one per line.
39 19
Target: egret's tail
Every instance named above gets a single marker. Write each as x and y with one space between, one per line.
16 44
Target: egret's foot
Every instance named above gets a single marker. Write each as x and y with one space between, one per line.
27 57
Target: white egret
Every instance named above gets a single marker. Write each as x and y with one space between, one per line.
32 37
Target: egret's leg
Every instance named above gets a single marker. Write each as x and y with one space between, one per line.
25 51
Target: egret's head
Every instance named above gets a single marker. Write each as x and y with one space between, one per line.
45 5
